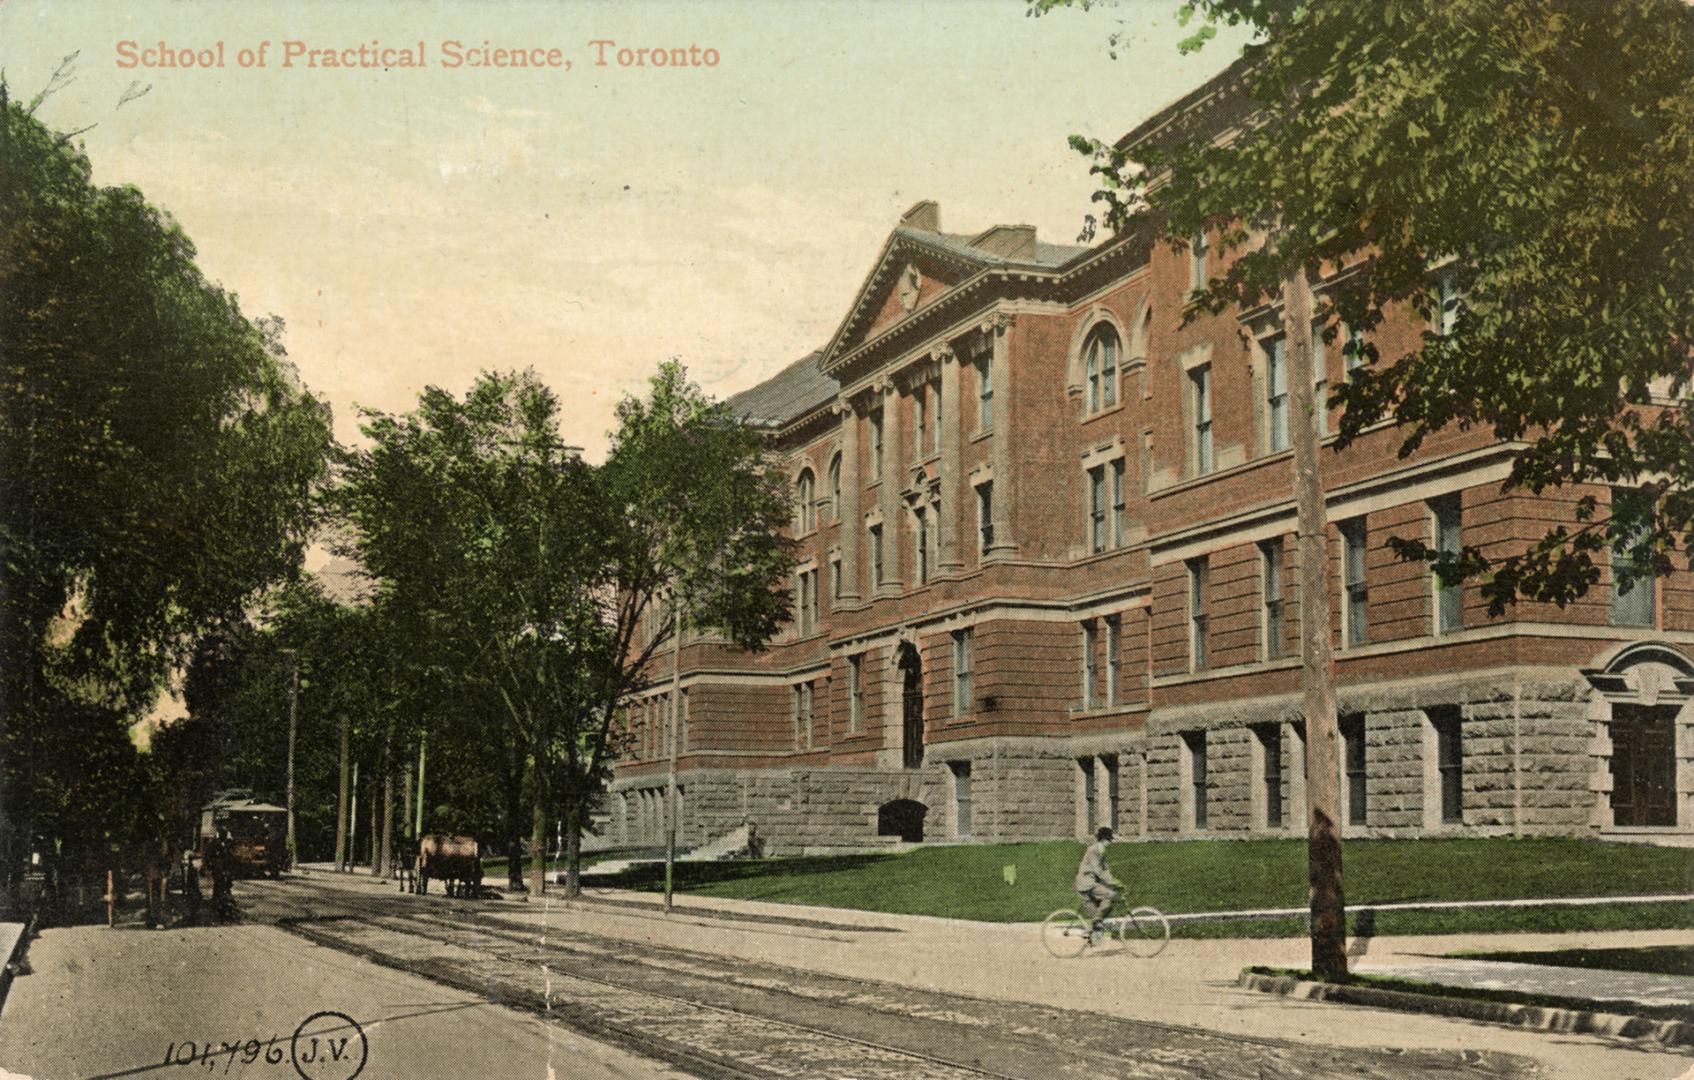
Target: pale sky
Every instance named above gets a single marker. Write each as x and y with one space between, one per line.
415 226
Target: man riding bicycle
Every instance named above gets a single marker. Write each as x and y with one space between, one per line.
1094 881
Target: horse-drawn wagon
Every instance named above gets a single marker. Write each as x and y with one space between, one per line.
454 860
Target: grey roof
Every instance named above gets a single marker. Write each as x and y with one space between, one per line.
1045 254
795 390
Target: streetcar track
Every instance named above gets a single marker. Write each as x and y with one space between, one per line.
1042 1029
590 1021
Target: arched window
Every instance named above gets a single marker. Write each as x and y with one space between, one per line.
1100 367
806 513
835 488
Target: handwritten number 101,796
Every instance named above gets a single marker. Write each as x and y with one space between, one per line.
189 1052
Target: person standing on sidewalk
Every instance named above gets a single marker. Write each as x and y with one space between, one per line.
1094 881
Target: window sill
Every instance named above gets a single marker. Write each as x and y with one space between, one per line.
1109 410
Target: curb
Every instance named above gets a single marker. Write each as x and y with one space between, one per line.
15 964
1537 1017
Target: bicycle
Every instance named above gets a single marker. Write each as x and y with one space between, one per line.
1144 932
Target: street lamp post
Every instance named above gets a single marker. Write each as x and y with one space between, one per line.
670 784
293 656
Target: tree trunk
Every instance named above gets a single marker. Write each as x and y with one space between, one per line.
573 850
514 813
353 819
341 803
538 834
376 816
386 859
406 804
1317 659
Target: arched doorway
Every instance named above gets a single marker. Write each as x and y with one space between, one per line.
911 707
902 818
1641 698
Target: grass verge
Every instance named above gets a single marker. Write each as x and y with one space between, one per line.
1649 960
1023 882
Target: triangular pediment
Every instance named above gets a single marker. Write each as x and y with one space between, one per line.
913 270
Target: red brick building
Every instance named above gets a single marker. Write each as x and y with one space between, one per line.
1046 535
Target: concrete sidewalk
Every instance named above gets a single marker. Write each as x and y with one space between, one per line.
1193 984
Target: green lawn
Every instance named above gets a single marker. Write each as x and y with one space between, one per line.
1023 882
1659 960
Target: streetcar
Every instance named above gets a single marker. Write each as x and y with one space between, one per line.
258 844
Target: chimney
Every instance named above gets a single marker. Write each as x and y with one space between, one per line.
925 215
1007 241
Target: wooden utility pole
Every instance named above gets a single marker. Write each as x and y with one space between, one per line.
670 783
293 697
353 818
1317 657
341 801
418 829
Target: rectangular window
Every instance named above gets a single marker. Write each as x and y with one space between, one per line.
797 716
805 602
1447 300
1353 765
1197 271
1633 581
1200 382
1109 765
1097 509
1196 741
920 536
855 693
834 578
1320 381
1090 673
1114 636
1197 613
962 824
1108 370
985 516
1354 350
1270 746
1117 504
1146 462
1353 567
935 417
1271 553
985 391
920 420
806 715
1276 393
875 421
682 721
1449 761
961 672
1090 808
876 555
1449 599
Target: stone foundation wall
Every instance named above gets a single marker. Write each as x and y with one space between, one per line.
1528 743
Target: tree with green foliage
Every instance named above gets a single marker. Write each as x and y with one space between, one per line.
158 457
1533 157
693 514
477 525
1544 149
